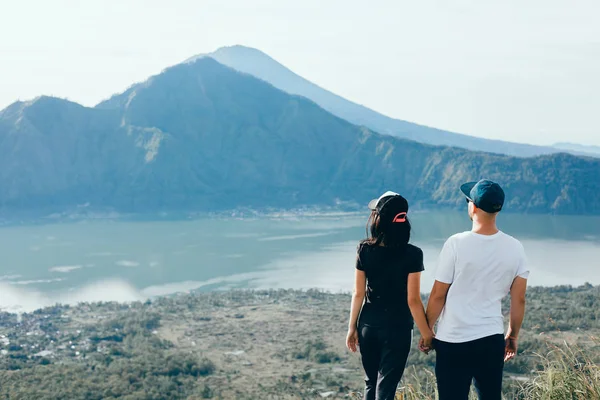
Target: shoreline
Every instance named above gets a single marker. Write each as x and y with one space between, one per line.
199 292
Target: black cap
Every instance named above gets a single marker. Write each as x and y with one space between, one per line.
392 205
485 194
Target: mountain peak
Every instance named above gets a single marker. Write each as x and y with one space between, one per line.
239 48
16 109
233 52
260 65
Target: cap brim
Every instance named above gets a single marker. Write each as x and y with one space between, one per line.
373 204
466 188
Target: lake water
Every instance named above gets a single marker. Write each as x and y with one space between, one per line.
104 260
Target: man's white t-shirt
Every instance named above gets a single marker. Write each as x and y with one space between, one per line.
481 270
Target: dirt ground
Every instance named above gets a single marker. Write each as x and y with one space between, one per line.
292 344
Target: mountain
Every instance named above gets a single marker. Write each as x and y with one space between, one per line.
593 151
202 136
53 151
260 65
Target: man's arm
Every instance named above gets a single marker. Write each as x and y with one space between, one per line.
444 276
437 300
517 313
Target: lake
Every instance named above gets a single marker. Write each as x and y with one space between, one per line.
106 260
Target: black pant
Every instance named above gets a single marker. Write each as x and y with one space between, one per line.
384 352
458 364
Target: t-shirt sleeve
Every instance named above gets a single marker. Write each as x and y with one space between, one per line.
359 264
446 263
416 264
523 268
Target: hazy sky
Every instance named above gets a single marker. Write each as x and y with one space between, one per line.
526 71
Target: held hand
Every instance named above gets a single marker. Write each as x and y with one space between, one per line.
352 340
425 343
510 349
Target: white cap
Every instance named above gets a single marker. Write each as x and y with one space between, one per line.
373 203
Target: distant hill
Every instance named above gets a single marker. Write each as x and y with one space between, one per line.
260 65
202 136
578 148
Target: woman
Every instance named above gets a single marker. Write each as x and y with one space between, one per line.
390 270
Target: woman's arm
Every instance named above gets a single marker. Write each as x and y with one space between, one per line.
358 297
417 310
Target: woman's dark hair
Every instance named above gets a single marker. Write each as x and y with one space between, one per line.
381 230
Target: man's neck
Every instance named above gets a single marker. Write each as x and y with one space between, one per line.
485 228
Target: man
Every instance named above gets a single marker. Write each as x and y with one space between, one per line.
476 270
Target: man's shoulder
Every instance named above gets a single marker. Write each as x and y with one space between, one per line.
512 241
459 237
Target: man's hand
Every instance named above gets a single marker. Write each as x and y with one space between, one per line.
517 312
352 340
510 350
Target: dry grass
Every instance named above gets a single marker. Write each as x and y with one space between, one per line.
568 373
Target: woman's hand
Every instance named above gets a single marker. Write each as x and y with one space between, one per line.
352 340
425 343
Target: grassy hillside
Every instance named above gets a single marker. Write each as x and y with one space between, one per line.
268 345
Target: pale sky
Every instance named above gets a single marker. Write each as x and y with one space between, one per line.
518 70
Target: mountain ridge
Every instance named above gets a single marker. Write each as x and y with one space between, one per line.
202 136
261 65
576 148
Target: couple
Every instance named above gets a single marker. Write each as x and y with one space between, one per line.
476 270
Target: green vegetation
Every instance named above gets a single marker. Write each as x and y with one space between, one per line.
316 351
265 344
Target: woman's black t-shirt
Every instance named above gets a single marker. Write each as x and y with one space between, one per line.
387 270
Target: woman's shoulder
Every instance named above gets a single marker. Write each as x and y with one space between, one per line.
412 247
413 250
365 245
